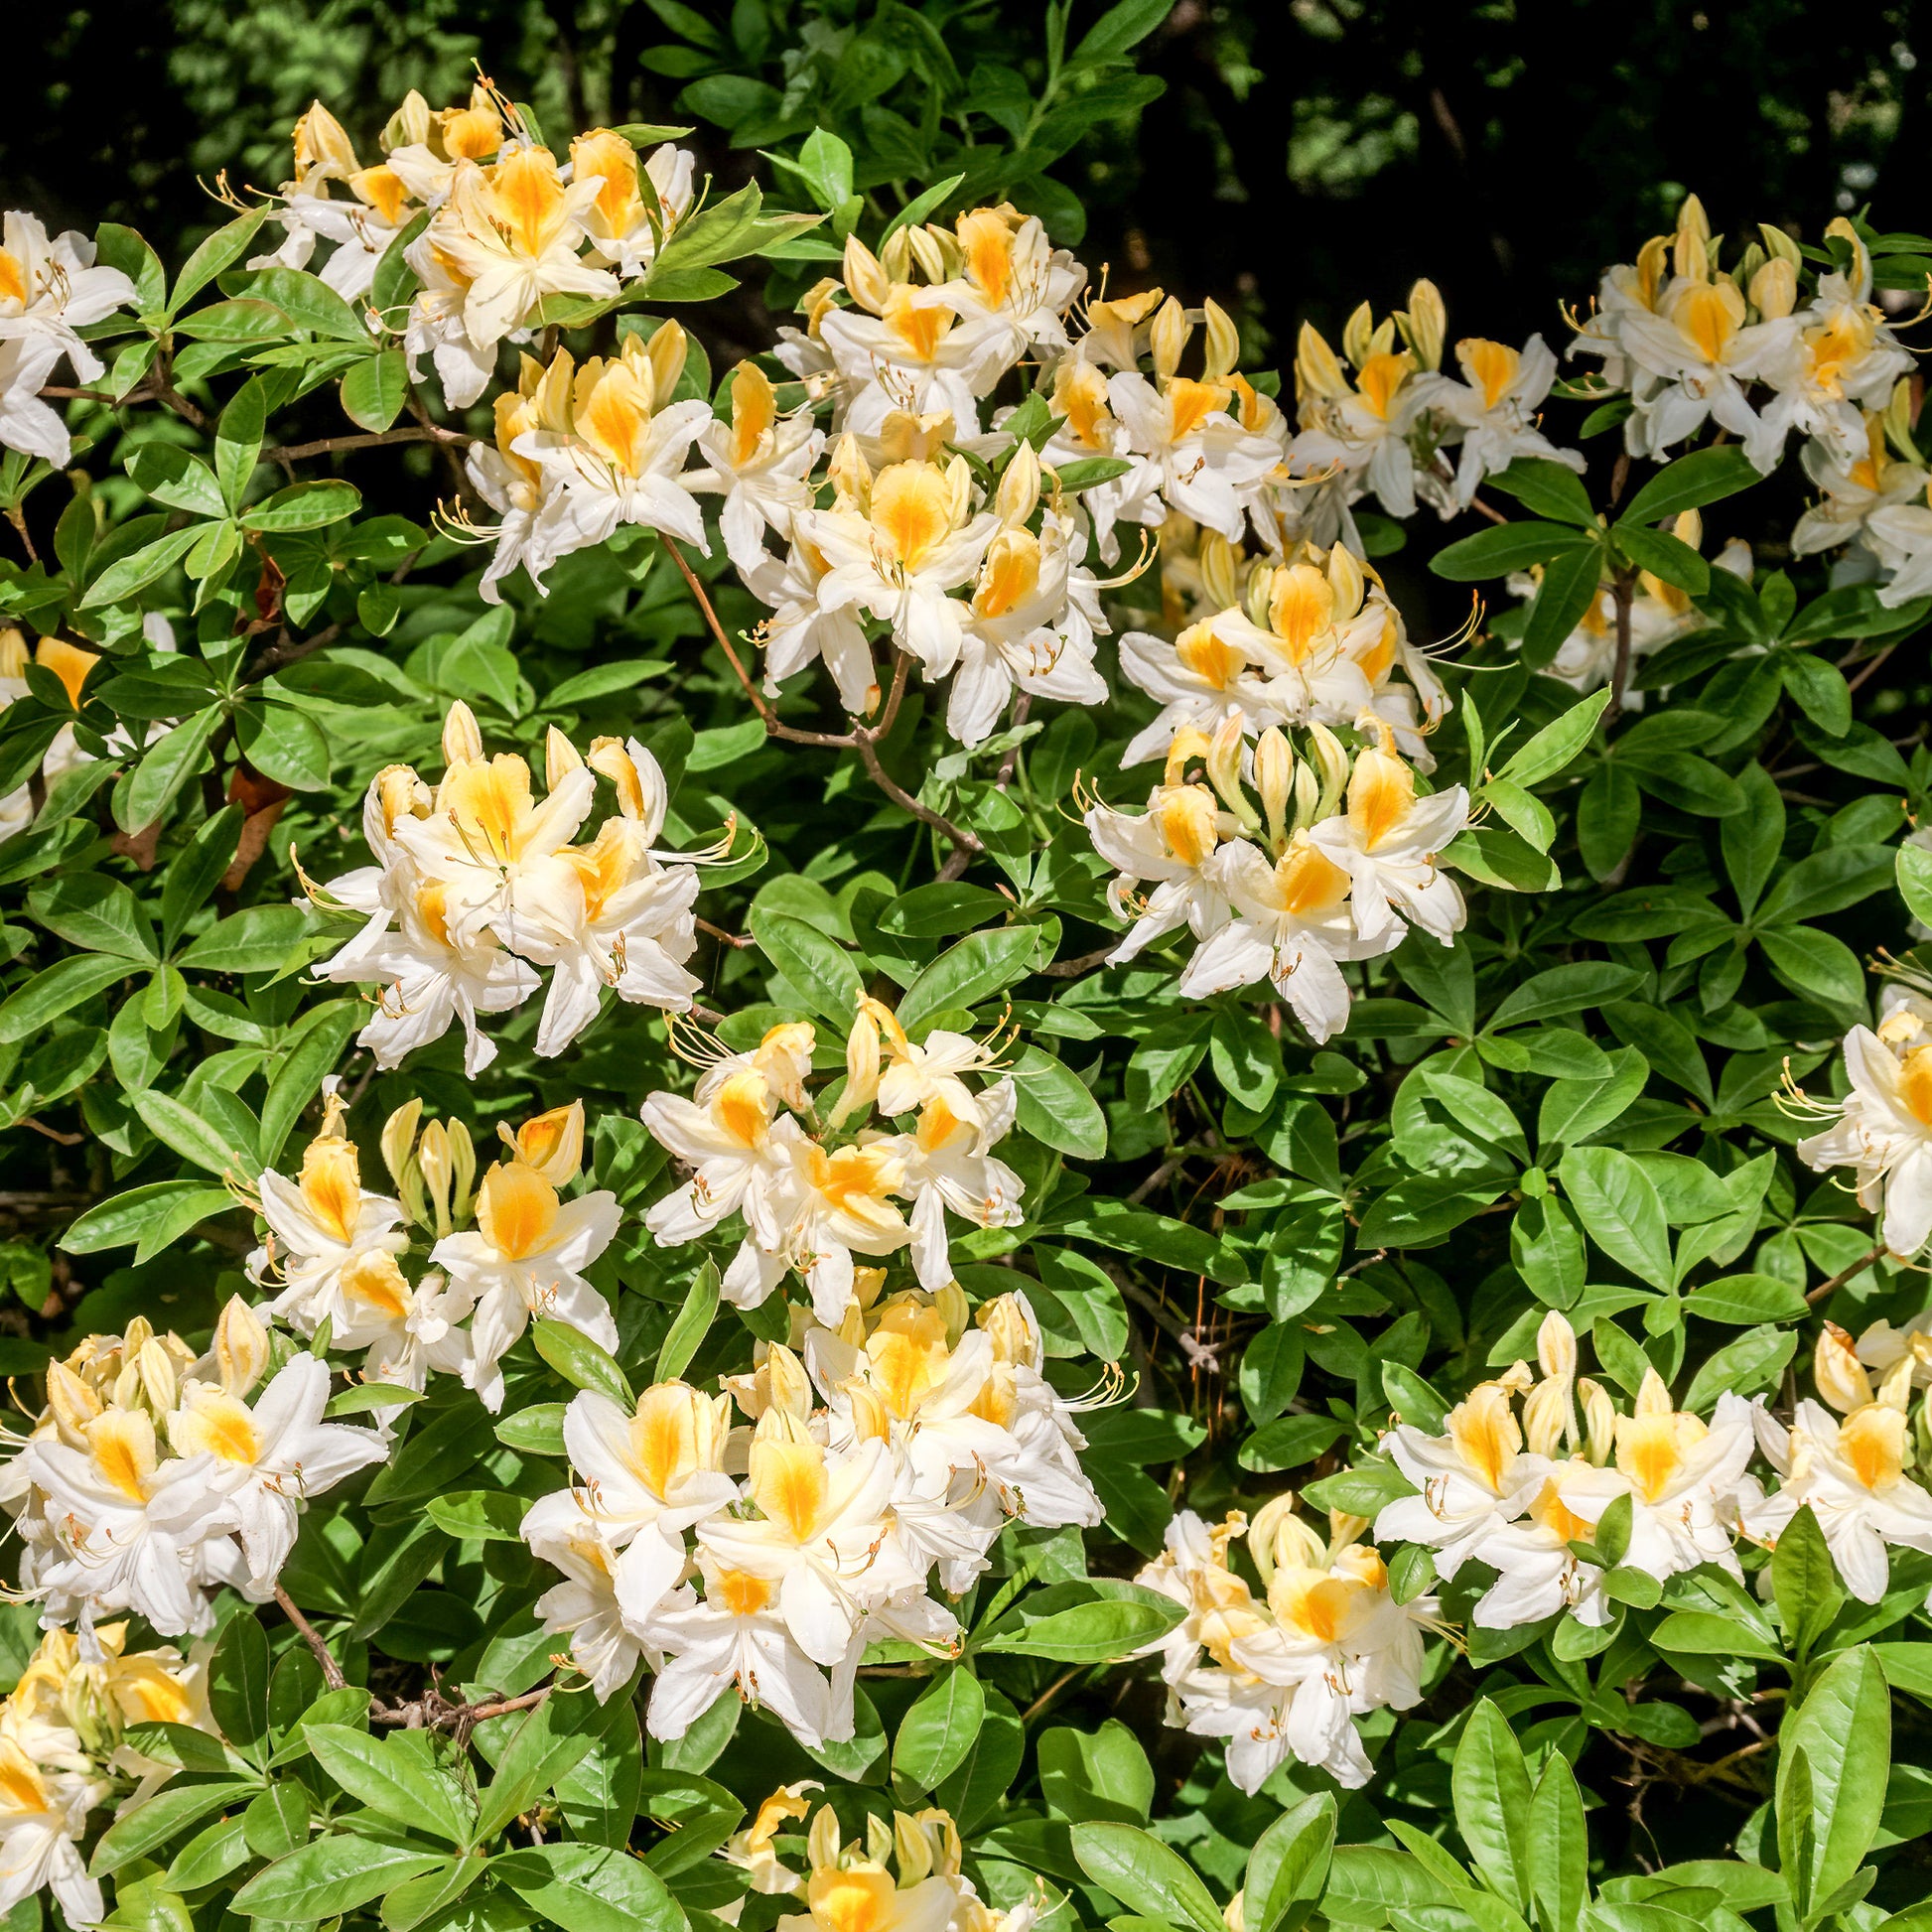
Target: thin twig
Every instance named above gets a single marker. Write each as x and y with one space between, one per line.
1620 597
324 446
1878 658
332 1672
1067 969
1053 1691
1827 1289
736 941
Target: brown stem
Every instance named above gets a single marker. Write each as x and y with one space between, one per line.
332 1672
290 651
324 446
53 1133
964 843
1067 969
18 518
737 940
1825 1290
1053 1691
1872 665
1620 595
773 724
1011 758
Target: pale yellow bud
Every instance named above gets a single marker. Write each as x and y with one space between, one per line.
1358 336
560 758
1895 1390
409 126
1425 325
895 257
1307 798
1516 1378
71 1403
952 1307
462 736
1318 374
1259 597
1015 1338
1350 584
1653 1396
928 250
1278 1539
1600 1421
822 1839
861 1068
1774 289
913 1849
1838 1373
1690 254
1223 349
1780 244
1688 528
1234 1914
1898 420
159 1382
399 1138
1220 565
1019 492
463 1158
1223 761
668 348
1169 338
1556 1347
240 1347
865 276
849 474
959 490
1274 780
435 1164
1333 762
321 150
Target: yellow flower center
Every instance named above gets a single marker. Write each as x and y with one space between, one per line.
516 1211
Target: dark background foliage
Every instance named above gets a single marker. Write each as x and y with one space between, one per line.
1305 150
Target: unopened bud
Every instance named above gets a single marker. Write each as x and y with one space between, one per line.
927 250
1224 350
1780 244
1220 568
1358 334
399 1138
409 126
848 475
1350 584
1274 780
438 1167
240 1346
1600 1421
668 348
1688 528
1332 762
551 1143
1318 374
463 1155
1774 289
862 1067
1424 325
1223 761
1018 491
560 758
865 276
462 738
1838 1373
1169 338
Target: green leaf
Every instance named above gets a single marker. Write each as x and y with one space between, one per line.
309 301
299 1078
390 1778
1571 583
129 576
100 914
1577 988
1704 1633
1753 1361
1143 1875
166 1812
238 441
165 766
1549 488
1826 882
555 1736
1753 838
374 391
1096 1774
57 990
1820 690
822 972
1618 1203
1814 965
1506 547
963 975
1664 556
178 1126
1703 477
1842 1732
1288 1867
580 1361
1056 1107
1116 34
693 1324
305 507
1744 1300
1804 1583
1490 1785
283 744
329 1877
590 1888
1068 1622
1915 881
223 247
938 1730
237 1684
254 940
123 1220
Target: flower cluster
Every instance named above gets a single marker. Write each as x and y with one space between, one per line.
1518 1495
1337 862
63 1754
905 1878
500 223
476 884
816 1187
155 1476
881 1450
501 1252
1285 1674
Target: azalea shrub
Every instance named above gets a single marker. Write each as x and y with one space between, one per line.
878 1140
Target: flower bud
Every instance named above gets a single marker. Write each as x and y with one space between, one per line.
1600 1421
1774 289
1274 780
1425 325
437 1166
1346 579
1896 1389
1259 598
1169 338
928 250
1278 1539
462 739
1780 244
409 126
240 1347
952 1307
71 1404
560 758
463 1156
895 257
1318 374
1358 334
1019 492
1009 1323
1224 755
822 1839
643 795
1220 563
322 149
399 1138
1332 762
862 1068
1838 1373
1556 1347
668 349
1224 350
865 276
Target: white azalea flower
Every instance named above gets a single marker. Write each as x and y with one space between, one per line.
760 462
1883 1133
1388 840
